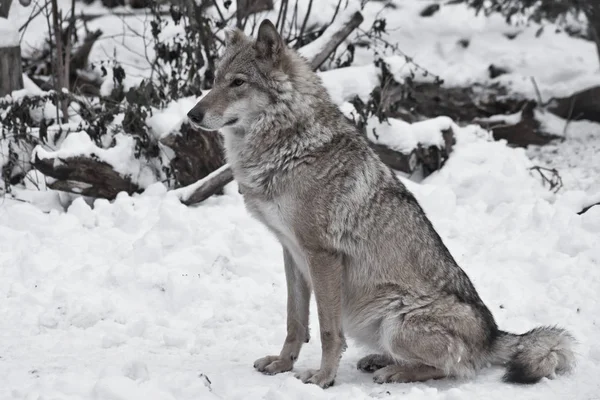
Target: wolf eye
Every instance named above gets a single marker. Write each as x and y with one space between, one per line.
237 82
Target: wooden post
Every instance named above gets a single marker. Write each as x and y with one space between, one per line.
11 72
4 8
591 9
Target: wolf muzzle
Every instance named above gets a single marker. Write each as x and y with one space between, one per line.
196 114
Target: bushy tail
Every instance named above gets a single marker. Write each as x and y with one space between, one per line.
542 352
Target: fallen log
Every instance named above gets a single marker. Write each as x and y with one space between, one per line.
197 154
88 176
205 188
584 104
335 40
214 184
405 162
523 132
405 147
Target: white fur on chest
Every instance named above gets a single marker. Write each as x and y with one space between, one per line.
272 215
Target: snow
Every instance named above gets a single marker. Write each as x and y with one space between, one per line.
404 137
9 36
145 298
139 297
312 49
164 122
120 157
576 157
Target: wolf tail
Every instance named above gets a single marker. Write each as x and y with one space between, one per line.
542 352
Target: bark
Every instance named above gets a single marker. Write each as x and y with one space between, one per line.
85 175
204 188
59 70
197 154
580 105
5 8
336 40
11 74
523 133
245 8
592 13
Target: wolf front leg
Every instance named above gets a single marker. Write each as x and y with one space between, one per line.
298 304
326 276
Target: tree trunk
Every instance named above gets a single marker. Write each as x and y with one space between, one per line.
592 13
246 8
59 68
11 73
4 8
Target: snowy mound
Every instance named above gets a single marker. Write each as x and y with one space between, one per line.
145 298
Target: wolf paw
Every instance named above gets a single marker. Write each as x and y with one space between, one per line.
373 362
316 377
272 365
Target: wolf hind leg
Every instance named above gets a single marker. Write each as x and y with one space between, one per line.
426 347
404 373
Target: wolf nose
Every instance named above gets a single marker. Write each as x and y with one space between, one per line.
196 115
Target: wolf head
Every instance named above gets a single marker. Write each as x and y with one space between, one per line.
245 80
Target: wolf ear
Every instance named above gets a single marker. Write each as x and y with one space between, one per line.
268 43
233 36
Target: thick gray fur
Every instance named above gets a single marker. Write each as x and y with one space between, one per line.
353 234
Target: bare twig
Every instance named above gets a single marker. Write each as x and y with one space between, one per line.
33 15
569 116
283 15
219 10
553 180
337 9
60 62
310 3
537 91
336 40
587 208
396 49
52 62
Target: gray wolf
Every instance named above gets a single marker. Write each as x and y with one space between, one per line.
353 234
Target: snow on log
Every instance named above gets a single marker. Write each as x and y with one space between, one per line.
84 175
319 50
404 147
584 104
81 167
521 129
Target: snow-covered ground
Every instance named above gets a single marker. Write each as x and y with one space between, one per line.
144 298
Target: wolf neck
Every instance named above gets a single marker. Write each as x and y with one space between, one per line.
288 133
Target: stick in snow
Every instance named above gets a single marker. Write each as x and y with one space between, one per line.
205 187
